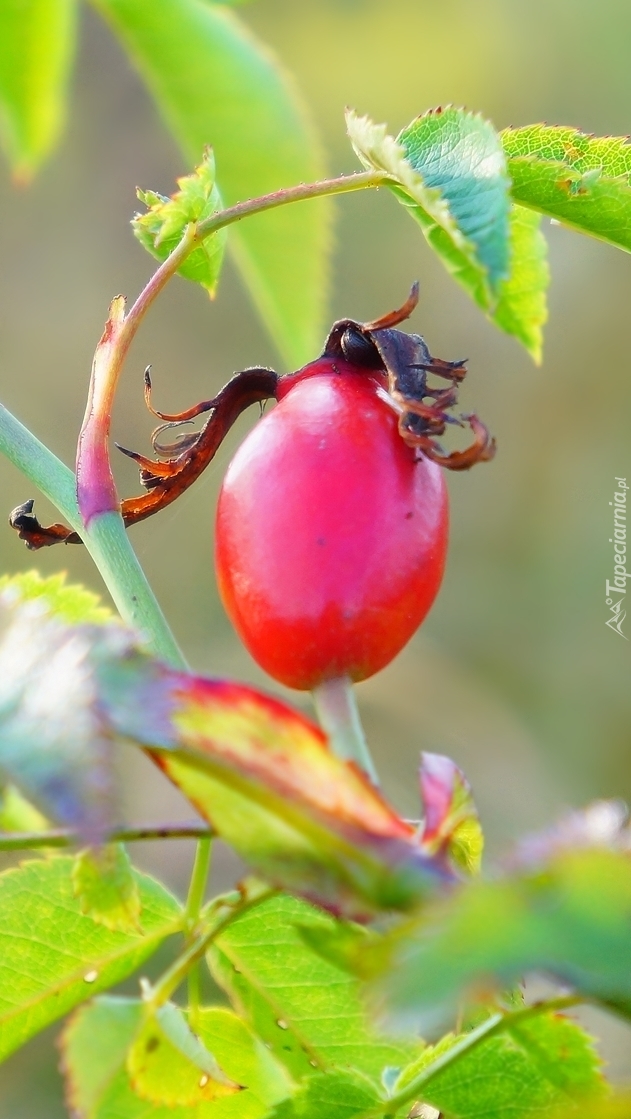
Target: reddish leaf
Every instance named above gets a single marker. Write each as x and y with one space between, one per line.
264 776
451 826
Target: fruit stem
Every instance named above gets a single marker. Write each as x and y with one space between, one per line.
336 708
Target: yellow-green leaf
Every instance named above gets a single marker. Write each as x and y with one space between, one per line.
107 890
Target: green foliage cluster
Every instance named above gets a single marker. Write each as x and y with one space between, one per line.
362 938
303 985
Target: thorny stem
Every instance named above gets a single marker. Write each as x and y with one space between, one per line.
496 1024
336 707
65 837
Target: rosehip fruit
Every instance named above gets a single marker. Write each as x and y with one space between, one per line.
331 530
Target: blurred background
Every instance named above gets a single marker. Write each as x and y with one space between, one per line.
514 673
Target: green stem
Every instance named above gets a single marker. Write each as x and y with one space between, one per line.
227 909
194 902
65 837
106 539
51 476
194 234
197 885
497 1023
130 590
335 704
344 184
110 548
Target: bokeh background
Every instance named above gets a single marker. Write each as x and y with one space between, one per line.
514 673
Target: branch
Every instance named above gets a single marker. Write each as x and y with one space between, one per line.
66 837
496 1024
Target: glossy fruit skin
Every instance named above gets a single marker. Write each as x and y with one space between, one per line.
331 535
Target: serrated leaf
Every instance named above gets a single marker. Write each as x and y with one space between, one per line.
107 890
522 305
165 222
53 957
37 41
451 825
337 1095
70 602
215 84
459 154
448 169
169 1065
54 741
569 918
95 1044
583 181
308 1011
527 1070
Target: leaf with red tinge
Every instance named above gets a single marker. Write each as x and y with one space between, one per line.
451 825
262 774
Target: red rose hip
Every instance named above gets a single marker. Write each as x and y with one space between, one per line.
331 530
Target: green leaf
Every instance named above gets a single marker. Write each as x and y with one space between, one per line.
337 1095
448 169
583 181
95 1045
53 957
522 306
107 890
169 1065
71 603
245 1059
307 1010
570 917
459 154
215 84
527 1069
165 222
616 1107
37 41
